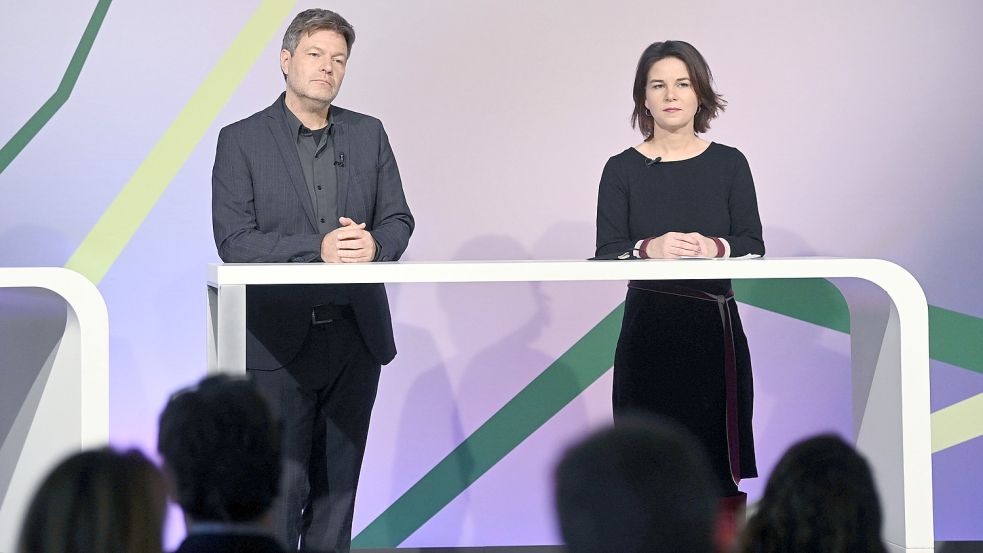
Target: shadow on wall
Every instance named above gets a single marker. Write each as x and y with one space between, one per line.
429 421
493 329
500 323
460 365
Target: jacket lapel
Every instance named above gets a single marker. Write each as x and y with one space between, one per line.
287 146
343 171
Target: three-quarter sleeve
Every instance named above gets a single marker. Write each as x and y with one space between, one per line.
745 225
613 236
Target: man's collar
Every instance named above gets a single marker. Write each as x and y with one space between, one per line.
294 124
339 115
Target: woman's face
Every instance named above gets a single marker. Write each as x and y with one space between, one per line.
670 96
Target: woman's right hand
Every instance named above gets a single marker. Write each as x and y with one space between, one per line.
672 245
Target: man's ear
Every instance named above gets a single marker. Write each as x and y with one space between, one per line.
284 61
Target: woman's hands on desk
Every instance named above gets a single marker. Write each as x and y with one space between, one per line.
672 245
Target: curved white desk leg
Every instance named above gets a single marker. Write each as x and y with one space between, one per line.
226 333
891 406
75 374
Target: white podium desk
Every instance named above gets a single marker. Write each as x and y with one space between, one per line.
67 407
889 345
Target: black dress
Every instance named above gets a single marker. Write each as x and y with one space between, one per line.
671 354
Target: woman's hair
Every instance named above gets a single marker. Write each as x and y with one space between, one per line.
820 497
99 501
710 103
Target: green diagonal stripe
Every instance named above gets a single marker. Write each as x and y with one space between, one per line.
813 300
954 338
104 243
549 392
23 137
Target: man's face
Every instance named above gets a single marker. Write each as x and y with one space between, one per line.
317 66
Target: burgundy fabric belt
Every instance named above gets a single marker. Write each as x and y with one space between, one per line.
730 359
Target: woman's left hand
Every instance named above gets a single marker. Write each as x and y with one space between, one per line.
707 246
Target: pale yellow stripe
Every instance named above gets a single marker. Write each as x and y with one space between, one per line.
104 243
957 423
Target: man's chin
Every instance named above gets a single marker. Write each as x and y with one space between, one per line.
322 98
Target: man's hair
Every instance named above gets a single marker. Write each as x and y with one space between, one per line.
643 485
309 21
221 446
820 497
97 500
710 103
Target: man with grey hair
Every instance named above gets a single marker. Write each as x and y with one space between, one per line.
307 181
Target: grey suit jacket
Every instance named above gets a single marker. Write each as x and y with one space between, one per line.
262 213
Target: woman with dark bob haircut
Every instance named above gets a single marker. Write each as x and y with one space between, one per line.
682 353
820 497
99 501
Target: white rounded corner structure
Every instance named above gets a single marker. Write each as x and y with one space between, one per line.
80 357
889 345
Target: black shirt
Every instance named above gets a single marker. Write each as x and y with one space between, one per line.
317 159
712 194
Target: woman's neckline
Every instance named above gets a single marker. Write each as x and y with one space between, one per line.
650 160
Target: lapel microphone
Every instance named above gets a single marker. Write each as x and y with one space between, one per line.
340 162
648 162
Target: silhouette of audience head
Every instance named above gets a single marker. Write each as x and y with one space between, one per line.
221 450
642 485
98 501
820 497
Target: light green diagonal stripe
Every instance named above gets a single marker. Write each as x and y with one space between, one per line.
957 423
104 243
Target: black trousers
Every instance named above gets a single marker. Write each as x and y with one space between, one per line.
324 399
